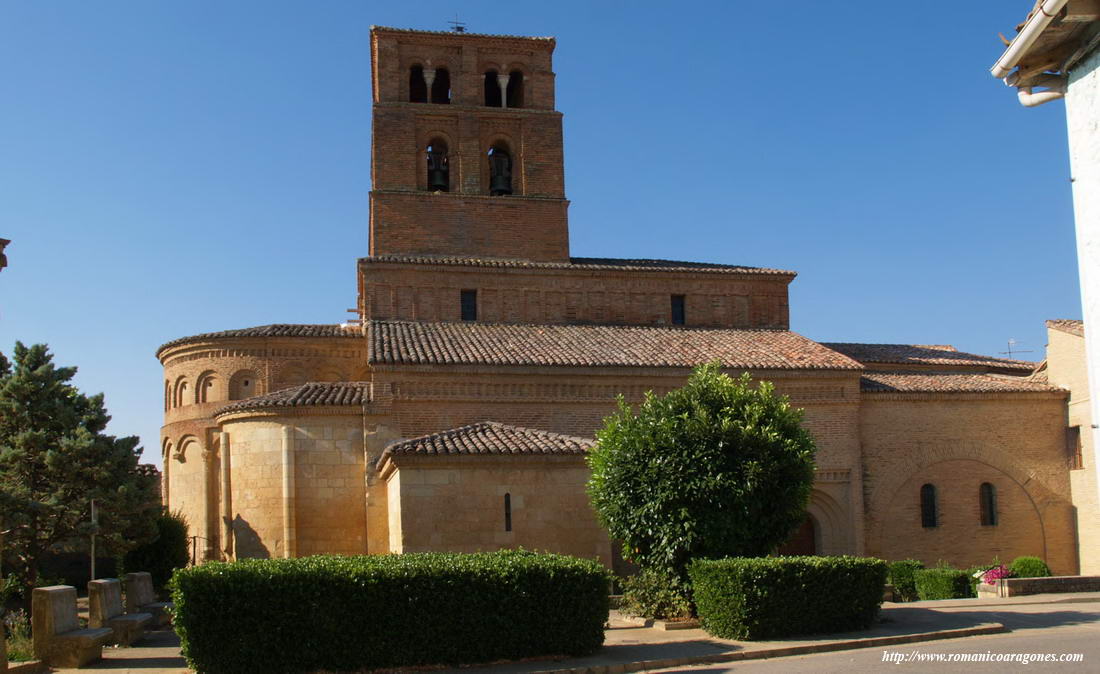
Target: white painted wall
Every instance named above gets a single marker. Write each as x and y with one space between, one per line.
1083 120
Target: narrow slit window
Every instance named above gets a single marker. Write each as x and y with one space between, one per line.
507 512
469 305
678 315
929 517
987 497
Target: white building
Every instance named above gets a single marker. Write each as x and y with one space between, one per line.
1056 55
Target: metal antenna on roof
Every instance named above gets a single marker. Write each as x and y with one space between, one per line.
457 26
1011 343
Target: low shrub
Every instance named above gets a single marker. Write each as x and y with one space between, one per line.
1029 567
770 597
900 575
386 611
944 582
652 594
17 630
164 554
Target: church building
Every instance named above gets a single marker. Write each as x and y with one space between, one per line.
455 412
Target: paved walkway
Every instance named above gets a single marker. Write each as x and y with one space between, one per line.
632 648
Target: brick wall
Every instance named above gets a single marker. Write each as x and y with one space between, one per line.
524 295
956 442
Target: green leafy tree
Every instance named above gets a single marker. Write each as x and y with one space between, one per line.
718 468
165 553
54 459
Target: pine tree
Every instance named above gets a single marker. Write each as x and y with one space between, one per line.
54 460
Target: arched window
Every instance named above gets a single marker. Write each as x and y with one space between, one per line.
204 388
441 86
987 501
507 512
243 384
500 171
515 89
929 511
439 169
492 90
181 393
418 89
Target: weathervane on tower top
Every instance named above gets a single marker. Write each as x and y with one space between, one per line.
457 26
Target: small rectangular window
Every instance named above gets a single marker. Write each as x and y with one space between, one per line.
469 305
1073 447
677 309
507 512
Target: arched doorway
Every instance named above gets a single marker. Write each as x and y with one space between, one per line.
803 540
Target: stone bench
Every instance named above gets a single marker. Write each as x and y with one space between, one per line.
105 610
58 639
140 598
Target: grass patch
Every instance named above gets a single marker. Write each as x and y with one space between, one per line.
17 626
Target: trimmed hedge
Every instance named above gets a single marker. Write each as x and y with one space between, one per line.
1029 567
901 575
944 583
771 597
353 613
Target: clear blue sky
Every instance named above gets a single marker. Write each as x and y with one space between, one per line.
170 168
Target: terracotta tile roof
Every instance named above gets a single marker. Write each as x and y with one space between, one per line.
922 354
490 437
948 382
1068 325
578 263
332 394
451 33
402 342
273 330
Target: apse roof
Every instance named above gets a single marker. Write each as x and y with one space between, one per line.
333 394
273 330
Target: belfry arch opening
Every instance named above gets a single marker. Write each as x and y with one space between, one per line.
514 93
500 171
418 88
492 90
441 86
438 166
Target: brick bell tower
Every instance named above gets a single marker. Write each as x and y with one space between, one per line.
466 156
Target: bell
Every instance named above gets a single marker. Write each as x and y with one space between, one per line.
437 180
499 185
